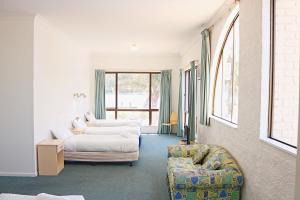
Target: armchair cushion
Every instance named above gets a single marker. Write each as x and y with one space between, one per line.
213 163
185 163
219 178
200 154
182 150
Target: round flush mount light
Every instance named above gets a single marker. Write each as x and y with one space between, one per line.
133 47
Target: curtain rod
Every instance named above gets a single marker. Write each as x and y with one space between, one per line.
223 10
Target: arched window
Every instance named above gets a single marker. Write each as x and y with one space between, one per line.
226 85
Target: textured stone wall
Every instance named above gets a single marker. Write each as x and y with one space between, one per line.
269 172
286 71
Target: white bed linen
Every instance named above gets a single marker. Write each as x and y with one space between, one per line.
107 122
124 142
16 197
6 196
135 130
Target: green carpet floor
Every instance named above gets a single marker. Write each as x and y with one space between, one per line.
107 181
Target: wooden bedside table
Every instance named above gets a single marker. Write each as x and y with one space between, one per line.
50 153
77 131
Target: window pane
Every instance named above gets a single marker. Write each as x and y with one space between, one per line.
133 91
155 116
110 90
236 71
218 92
139 115
227 78
110 114
286 72
155 91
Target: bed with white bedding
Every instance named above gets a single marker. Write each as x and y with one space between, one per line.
92 121
42 196
104 148
134 130
77 123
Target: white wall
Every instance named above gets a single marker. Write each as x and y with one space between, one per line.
61 69
269 172
41 69
297 184
16 89
137 63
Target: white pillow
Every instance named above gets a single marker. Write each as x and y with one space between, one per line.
44 196
61 133
78 123
90 116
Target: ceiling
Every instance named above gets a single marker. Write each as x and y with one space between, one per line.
111 26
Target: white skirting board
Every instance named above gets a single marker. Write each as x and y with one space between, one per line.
22 174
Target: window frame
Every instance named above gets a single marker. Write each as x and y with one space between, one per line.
115 109
220 56
272 73
267 81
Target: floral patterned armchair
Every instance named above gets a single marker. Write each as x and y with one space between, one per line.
190 181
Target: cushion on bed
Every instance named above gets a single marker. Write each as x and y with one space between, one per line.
78 123
61 133
89 116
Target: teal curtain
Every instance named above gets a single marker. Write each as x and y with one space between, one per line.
165 101
205 78
192 107
180 107
100 112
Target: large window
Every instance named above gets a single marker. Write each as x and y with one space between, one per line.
225 99
133 96
284 73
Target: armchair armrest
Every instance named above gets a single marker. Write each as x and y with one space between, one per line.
182 150
202 178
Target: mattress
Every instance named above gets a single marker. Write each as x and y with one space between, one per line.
110 123
102 143
135 130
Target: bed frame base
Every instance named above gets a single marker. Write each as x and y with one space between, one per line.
102 156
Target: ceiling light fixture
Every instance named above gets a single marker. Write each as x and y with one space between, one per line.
133 47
